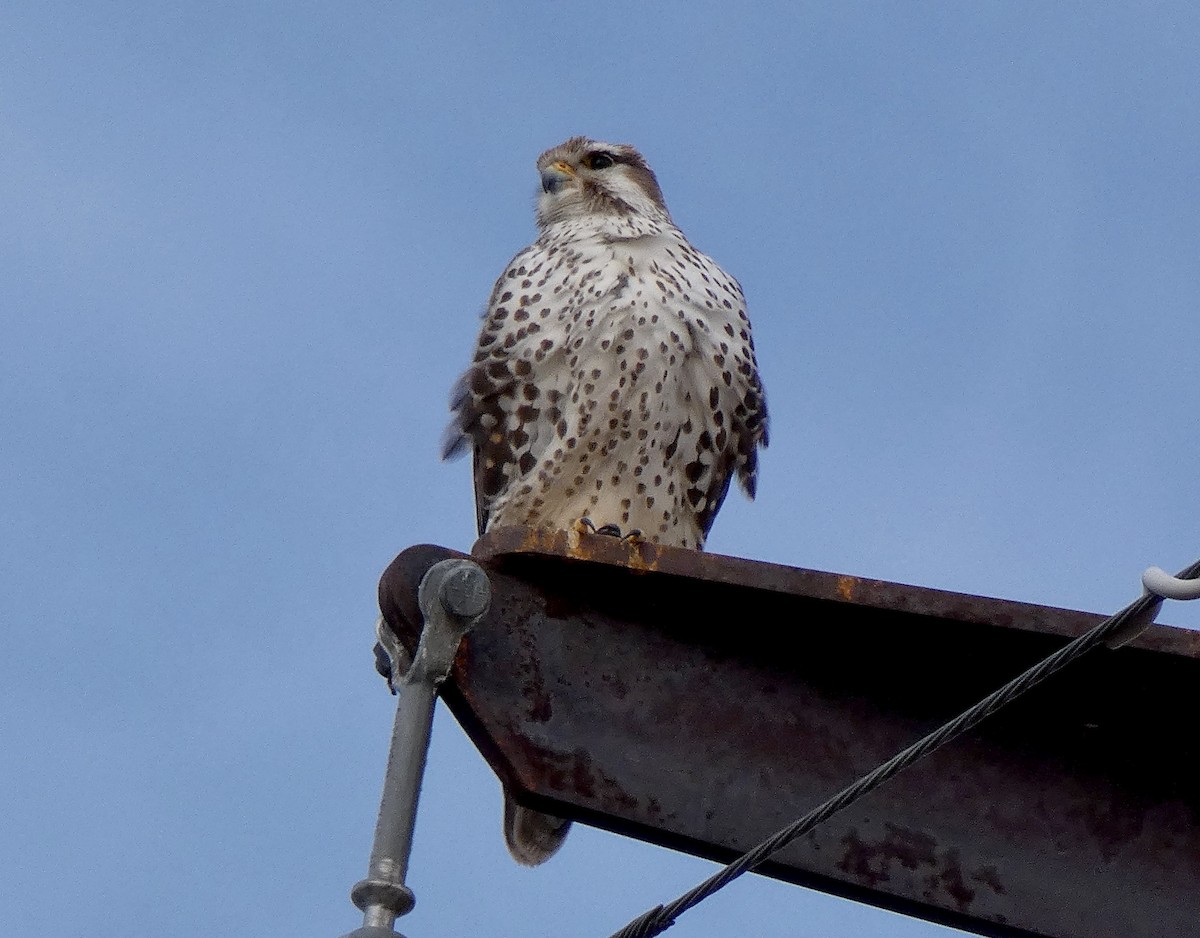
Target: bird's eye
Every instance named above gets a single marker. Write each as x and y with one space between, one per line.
600 161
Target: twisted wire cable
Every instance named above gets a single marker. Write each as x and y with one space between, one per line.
1114 630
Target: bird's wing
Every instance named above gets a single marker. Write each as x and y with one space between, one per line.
506 404
723 374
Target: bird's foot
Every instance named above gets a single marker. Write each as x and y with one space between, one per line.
586 525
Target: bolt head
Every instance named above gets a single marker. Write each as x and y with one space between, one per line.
466 592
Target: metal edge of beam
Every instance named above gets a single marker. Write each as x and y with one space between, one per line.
818 584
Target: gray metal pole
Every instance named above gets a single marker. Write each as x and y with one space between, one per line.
453 595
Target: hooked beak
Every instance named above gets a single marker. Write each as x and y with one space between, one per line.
555 175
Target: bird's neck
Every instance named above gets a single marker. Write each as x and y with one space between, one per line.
607 228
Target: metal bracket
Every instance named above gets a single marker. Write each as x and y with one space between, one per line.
453 595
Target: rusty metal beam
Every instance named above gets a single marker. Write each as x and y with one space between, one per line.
702 702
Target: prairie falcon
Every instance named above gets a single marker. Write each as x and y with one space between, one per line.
614 386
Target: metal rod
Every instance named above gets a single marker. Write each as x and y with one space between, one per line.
453 595
383 895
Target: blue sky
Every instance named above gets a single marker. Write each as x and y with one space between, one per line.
244 248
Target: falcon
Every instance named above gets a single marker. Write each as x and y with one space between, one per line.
614 387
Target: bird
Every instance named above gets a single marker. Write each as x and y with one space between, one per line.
614 388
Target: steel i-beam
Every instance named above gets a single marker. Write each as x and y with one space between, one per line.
702 702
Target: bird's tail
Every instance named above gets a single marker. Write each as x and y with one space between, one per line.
532 837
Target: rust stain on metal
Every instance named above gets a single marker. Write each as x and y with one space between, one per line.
990 877
845 587
540 708
939 874
950 879
640 556
534 539
575 772
871 863
1111 825
635 555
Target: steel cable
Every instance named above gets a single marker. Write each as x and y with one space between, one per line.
1132 618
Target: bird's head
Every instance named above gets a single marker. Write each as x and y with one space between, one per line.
585 177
